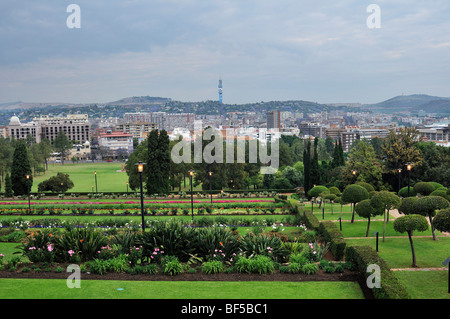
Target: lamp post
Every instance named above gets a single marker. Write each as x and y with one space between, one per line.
354 176
409 167
95 175
191 173
127 189
140 167
376 233
28 187
210 185
399 179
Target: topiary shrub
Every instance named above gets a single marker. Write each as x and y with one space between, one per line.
442 192
403 192
408 224
424 188
407 205
442 220
428 205
353 194
367 186
316 191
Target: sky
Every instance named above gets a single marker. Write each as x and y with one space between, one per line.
263 50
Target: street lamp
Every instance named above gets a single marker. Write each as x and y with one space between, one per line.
96 189
140 167
210 185
191 173
409 167
28 186
354 175
399 179
127 188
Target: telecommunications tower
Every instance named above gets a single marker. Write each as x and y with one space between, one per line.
220 90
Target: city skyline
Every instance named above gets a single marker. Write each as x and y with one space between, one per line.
263 51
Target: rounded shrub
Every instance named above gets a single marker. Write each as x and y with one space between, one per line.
424 188
441 192
407 205
354 193
403 192
367 186
442 220
316 191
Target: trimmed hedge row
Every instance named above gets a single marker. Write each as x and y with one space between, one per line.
310 220
362 257
331 234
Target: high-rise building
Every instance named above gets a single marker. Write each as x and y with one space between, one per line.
273 119
220 90
75 126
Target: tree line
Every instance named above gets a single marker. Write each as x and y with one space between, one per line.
303 163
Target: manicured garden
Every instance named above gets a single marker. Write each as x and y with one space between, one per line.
264 241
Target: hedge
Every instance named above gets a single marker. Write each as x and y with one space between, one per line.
331 234
362 257
310 220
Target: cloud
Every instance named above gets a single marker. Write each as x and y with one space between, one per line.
262 49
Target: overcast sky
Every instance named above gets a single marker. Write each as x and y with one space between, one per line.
315 50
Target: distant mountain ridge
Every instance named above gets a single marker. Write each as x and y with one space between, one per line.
412 103
399 104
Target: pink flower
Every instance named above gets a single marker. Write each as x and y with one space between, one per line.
50 247
71 252
32 248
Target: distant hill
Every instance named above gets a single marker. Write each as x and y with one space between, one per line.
140 100
412 103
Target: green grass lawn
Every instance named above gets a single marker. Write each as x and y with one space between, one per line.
110 178
108 289
397 251
359 228
425 284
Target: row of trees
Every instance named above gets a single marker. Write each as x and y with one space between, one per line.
303 163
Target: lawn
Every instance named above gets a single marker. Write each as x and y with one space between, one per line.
110 177
359 228
111 289
436 286
397 251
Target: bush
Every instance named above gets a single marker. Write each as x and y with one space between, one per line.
363 256
258 264
310 269
331 234
407 205
310 220
403 192
171 266
212 267
316 191
424 188
442 220
442 193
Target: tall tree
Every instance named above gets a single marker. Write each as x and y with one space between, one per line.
153 164
20 169
164 162
315 169
363 159
8 186
62 144
307 167
400 148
